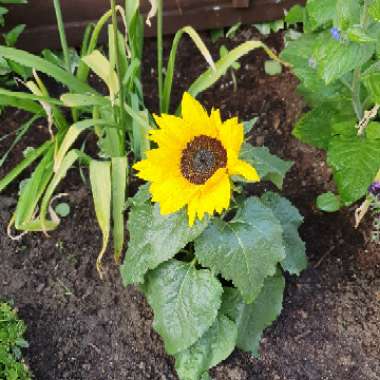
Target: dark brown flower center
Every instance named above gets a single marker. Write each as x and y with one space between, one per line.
201 158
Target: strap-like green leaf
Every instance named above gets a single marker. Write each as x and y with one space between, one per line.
100 178
29 60
119 188
245 250
185 302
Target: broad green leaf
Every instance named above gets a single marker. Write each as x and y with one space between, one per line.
374 10
320 12
254 318
348 13
213 347
357 33
119 190
154 238
316 126
100 65
100 178
185 302
245 250
328 202
269 166
44 66
336 58
295 14
290 218
373 130
371 81
355 162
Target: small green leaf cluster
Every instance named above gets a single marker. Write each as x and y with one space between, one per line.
8 67
217 285
12 330
336 59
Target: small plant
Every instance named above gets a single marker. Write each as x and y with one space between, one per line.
213 282
337 62
12 330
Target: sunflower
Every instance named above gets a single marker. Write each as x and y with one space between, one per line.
196 155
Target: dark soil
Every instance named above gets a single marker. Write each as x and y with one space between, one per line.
82 328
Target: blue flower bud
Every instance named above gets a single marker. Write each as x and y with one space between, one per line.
335 33
374 189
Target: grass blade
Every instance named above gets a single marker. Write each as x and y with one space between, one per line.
209 77
172 58
32 61
119 189
100 178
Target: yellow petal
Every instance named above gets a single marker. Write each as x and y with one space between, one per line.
196 117
244 169
231 134
213 196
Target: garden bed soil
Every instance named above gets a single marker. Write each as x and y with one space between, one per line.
82 328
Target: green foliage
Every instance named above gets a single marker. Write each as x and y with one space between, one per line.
218 284
246 249
252 319
185 302
12 341
336 60
154 238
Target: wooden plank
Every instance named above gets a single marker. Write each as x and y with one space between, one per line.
240 3
41 31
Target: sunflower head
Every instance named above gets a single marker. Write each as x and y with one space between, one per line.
195 157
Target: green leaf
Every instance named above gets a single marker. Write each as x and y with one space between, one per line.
319 13
63 209
272 67
269 166
336 58
210 76
357 33
245 250
374 10
154 238
44 66
373 130
185 302
12 36
328 202
348 13
290 218
315 127
100 178
355 162
213 347
119 172
295 14
254 318
371 80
